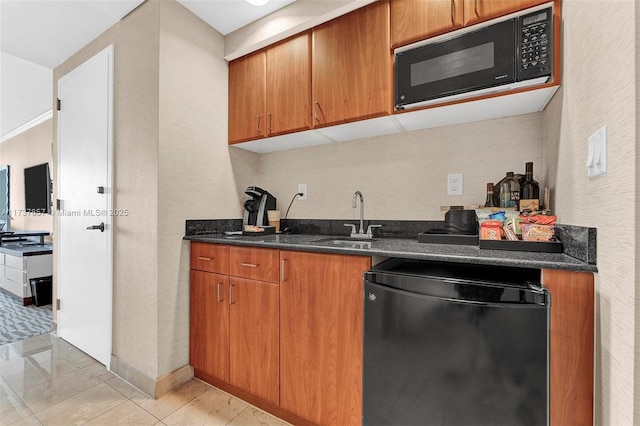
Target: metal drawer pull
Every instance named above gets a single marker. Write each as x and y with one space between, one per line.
315 111
250 265
258 124
283 274
268 123
205 258
219 296
231 295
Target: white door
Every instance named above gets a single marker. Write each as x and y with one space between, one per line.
85 228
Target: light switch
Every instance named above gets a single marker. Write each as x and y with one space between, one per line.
597 153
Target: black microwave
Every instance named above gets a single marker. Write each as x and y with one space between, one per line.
503 54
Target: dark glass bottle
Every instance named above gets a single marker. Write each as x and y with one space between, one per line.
489 202
509 191
529 190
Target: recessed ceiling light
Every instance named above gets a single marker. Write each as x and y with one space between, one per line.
258 2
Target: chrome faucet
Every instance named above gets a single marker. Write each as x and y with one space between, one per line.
360 233
353 204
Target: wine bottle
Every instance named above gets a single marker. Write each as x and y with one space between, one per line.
529 191
489 202
509 191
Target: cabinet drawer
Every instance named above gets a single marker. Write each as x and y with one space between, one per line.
16 275
15 262
210 257
255 263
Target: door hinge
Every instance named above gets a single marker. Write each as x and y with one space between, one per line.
57 304
58 103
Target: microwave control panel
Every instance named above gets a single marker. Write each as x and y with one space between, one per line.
536 45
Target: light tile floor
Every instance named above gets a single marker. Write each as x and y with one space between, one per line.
46 381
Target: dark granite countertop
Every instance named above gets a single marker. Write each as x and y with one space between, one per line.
403 248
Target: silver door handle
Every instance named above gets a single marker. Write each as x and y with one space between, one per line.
96 227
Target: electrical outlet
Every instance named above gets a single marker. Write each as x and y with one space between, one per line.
454 184
302 187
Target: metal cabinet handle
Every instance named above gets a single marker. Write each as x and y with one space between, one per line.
231 295
250 265
283 273
258 124
205 258
96 227
453 6
219 292
315 111
475 7
268 123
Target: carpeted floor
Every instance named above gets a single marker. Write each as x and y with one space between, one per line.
19 322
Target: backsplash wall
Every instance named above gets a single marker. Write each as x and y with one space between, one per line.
402 176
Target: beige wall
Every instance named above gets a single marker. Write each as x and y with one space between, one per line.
195 174
27 149
636 414
599 38
402 176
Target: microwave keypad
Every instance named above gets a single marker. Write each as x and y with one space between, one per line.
535 45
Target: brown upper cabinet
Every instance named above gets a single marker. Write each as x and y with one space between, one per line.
270 90
415 20
352 66
483 10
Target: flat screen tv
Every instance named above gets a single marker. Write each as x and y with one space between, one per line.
37 189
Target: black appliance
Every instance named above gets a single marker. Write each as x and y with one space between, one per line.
490 57
455 344
257 206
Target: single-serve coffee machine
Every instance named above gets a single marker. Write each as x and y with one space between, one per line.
256 207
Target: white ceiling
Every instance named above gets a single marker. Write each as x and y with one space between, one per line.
38 35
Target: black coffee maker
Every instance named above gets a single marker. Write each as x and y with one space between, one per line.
256 207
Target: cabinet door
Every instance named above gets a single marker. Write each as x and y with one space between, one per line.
571 347
352 66
483 10
289 85
254 343
209 324
247 79
414 20
321 325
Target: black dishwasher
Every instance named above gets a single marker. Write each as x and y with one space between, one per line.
455 344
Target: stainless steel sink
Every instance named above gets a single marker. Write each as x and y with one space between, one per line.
346 242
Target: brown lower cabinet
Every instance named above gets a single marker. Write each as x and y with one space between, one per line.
234 335
294 347
209 324
571 347
321 336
